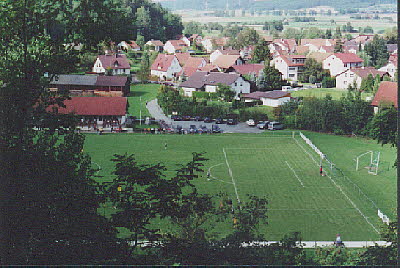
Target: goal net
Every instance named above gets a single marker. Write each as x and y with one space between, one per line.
369 161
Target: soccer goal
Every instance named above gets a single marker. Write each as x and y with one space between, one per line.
368 160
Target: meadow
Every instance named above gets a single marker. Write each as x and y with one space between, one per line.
139 95
277 167
335 93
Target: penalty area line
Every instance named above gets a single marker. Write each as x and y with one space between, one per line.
230 173
294 172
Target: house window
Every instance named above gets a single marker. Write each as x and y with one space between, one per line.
345 65
291 75
345 82
345 75
292 68
351 75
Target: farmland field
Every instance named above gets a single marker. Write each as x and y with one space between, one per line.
278 167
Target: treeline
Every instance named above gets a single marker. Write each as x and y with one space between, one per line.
93 22
348 116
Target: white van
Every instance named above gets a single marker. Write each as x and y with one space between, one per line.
275 125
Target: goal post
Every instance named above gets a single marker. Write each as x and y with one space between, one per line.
369 160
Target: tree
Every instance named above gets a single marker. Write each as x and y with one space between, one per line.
367 83
390 35
270 79
144 71
225 92
193 28
338 33
338 46
246 37
261 53
383 127
377 51
313 68
50 214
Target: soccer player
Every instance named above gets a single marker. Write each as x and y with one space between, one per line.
320 171
208 175
165 146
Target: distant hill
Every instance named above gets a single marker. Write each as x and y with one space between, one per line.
268 4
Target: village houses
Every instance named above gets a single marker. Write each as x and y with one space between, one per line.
208 82
175 46
218 52
128 46
290 66
165 67
386 95
155 45
339 62
391 66
224 62
347 77
114 63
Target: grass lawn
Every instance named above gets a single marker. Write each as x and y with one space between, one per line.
273 166
140 94
336 93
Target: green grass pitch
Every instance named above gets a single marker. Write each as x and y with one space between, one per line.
273 166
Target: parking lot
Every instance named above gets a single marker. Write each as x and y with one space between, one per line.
239 128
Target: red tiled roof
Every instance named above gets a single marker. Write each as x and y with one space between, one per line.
317 42
133 44
93 106
387 92
328 49
162 62
177 43
226 61
194 62
182 57
287 59
348 57
229 52
116 61
208 68
200 79
248 68
363 72
156 43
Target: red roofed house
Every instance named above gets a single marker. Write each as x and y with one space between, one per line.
247 69
130 45
386 94
155 45
339 62
391 66
165 66
224 62
290 66
95 111
192 65
287 45
182 58
219 52
220 43
346 78
175 46
116 63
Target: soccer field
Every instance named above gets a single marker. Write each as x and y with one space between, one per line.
278 167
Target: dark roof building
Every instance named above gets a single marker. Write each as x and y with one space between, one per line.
275 94
200 79
387 93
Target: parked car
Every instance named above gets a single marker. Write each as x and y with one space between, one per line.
198 118
216 129
263 124
275 125
219 121
186 118
203 128
231 121
178 129
192 129
176 118
251 122
207 120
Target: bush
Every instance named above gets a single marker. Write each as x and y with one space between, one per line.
329 82
245 114
205 95
312 79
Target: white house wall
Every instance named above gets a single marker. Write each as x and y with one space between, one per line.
336 66
274 102
98 67
240 86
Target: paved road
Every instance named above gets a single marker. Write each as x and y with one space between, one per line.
156 112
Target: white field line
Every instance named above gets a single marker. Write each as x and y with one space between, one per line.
340 189
311 209
209 171
230 173
294 172
247 148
